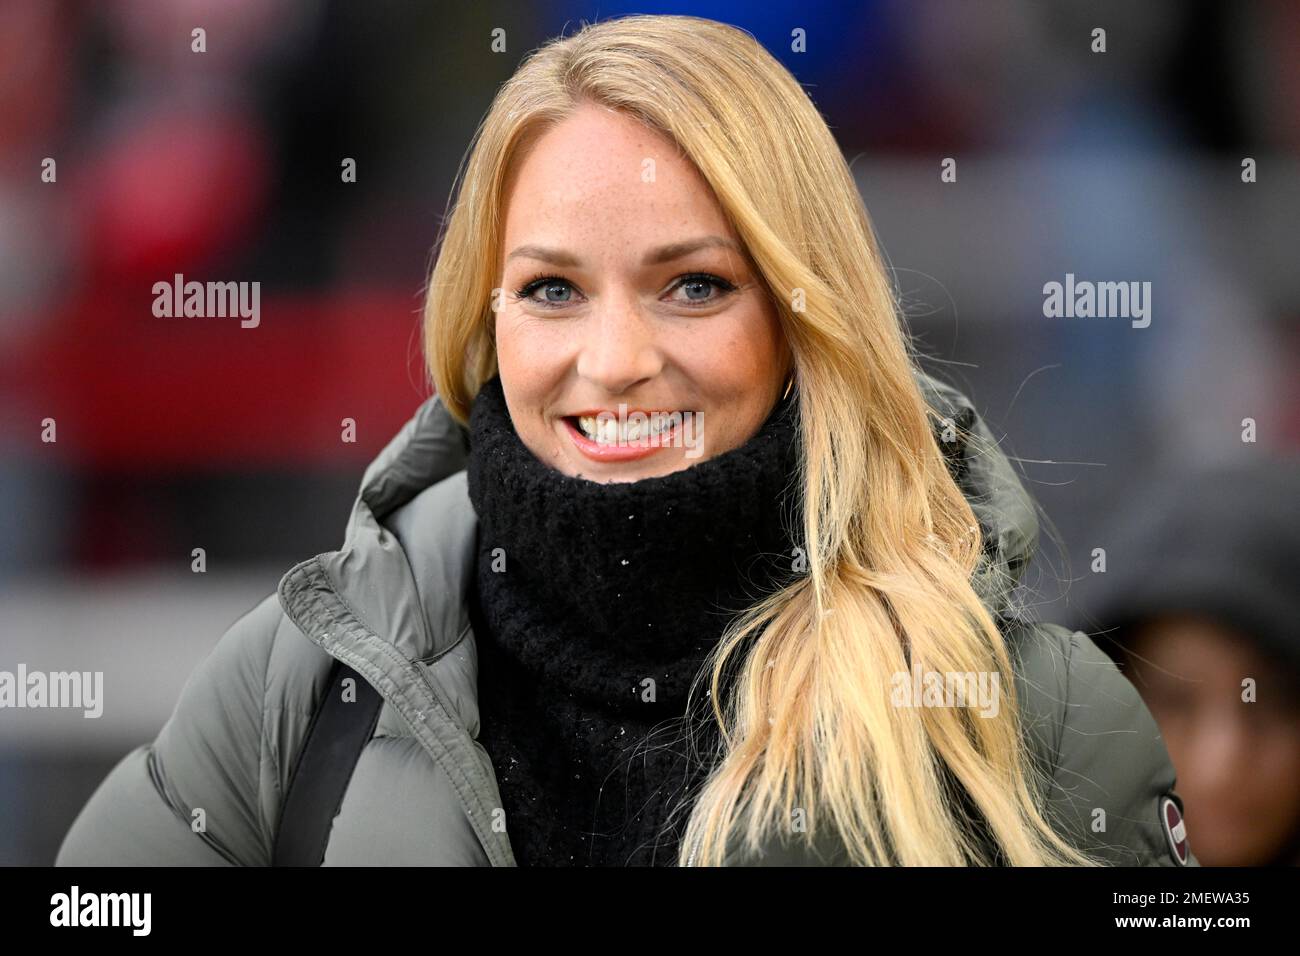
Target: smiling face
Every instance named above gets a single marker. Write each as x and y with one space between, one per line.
633 337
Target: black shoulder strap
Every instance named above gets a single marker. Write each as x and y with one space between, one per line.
338 731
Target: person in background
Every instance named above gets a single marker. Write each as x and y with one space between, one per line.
1199 607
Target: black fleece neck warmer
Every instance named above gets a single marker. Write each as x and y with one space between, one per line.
595 606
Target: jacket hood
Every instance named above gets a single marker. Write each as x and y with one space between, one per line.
377 575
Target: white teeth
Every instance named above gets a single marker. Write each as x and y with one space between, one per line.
610 431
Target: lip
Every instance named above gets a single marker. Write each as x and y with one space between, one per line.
626 451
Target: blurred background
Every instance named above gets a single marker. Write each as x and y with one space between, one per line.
176 434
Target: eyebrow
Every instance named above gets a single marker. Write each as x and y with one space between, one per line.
674 250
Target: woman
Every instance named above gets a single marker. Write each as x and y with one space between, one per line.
682 561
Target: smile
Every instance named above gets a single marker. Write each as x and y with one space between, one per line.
606 428
604 435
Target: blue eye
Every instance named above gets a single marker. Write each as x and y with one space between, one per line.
549 284
703 281
695 282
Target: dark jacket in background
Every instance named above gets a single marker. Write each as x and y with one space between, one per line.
1222 541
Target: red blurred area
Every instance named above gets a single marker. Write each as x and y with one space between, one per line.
173 192
130 391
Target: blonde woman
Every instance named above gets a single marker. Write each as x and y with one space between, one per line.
686 562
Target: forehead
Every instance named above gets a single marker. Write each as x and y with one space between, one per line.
601 174
1195 644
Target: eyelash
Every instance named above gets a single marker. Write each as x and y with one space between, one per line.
525 292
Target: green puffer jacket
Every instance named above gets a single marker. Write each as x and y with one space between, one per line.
391 604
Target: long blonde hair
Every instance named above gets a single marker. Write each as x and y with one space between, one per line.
807 728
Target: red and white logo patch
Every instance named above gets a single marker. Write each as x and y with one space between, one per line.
1175 829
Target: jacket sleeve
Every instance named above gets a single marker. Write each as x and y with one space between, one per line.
195 796
1111 776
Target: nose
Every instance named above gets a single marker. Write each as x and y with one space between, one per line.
619 349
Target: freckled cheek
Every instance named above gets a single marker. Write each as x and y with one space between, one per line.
533 360
510 359
528 346
741 367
